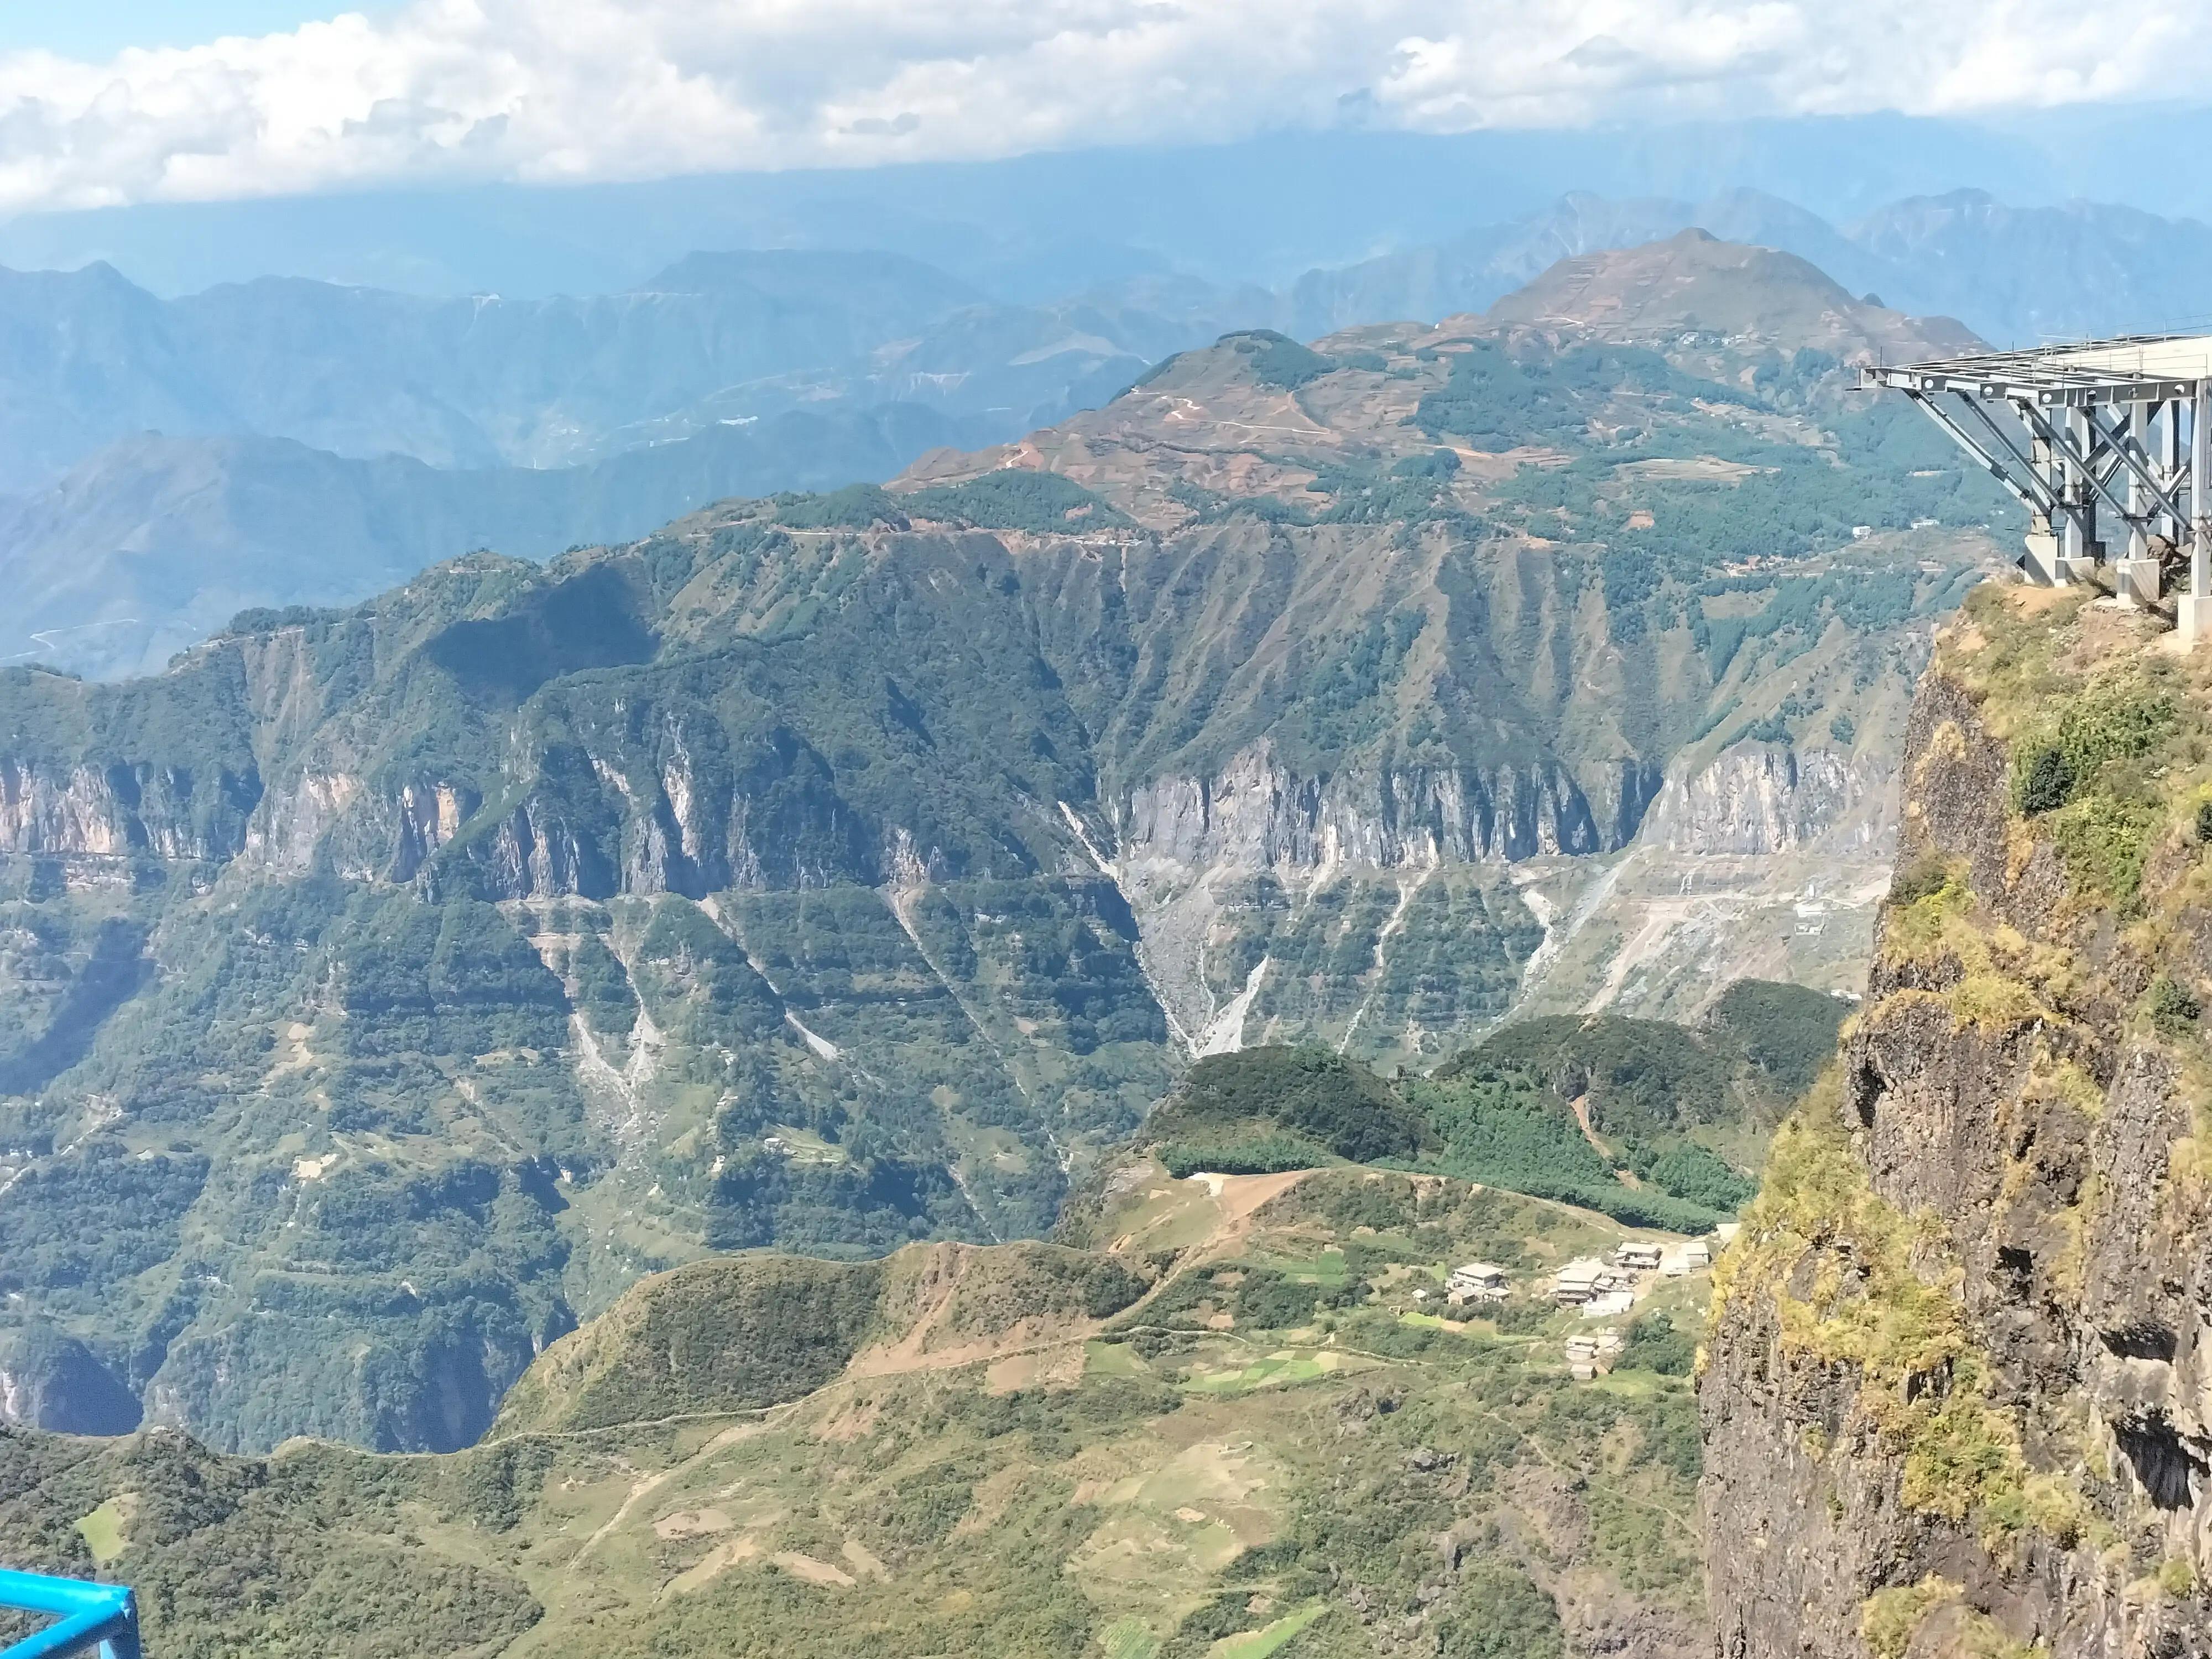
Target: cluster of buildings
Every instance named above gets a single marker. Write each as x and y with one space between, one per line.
1604 1289
1601 1289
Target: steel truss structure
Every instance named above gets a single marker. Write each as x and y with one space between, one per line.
89 1619
2123 425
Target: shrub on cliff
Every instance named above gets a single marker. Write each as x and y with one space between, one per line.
2048 781
2173 1008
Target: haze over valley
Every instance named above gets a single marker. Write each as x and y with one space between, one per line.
166 459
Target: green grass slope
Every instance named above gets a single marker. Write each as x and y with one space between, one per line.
1236 1432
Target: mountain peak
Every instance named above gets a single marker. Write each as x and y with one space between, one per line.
1693 283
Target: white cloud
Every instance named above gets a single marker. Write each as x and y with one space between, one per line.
573 89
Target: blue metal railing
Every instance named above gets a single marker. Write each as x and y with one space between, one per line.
91 1616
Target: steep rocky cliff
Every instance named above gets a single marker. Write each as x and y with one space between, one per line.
1956 1393
1762 797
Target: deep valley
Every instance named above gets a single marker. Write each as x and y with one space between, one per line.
828 873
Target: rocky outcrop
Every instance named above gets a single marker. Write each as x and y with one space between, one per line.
163 812
594 824
581 823
1217 869
1958 1388
1257 814
51 1381
1759 797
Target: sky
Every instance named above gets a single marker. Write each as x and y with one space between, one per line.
95 30
108 104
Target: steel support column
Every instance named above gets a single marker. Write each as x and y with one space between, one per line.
2196 606
2136 575
2045 563
2170 466
2138 441
2081 490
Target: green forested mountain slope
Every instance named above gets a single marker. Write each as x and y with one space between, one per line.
383 989
1653 1123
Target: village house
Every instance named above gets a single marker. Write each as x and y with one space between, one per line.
1591 1355
1580 1281
1582 1358
1476 1281
1694 1256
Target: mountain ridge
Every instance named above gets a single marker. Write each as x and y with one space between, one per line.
153 544
837 871
877 346
1693 283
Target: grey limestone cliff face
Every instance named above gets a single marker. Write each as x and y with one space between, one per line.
1259 814
1957 1391
579 823
1758 797
1228 873
595 821
164 811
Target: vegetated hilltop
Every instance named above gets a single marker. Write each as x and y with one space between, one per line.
1953 1402
1274 1108
383 989
1647 1121
1717 292
1235 1427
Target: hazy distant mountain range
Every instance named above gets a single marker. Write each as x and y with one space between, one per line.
154 542
86 358
1033 227
165 461
2015 276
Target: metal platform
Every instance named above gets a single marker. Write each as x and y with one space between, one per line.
2123 425
89 1618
